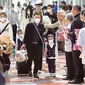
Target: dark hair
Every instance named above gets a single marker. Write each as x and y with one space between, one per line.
19 30
56 2
12 5
77 7
50 35
50 6
63 2
84 6
65 8
3 13
25 4
37 13
69 7
83 12
31 12
1 7
19 4
45 7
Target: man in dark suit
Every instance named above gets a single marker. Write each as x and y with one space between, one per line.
76 25
33 40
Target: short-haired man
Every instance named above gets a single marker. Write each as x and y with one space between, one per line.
77 24
33 40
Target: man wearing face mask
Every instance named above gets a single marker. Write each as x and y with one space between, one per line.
44 10
51 14
53 18
14 20
33 40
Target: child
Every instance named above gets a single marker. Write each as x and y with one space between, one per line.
51 55
20 39
21 52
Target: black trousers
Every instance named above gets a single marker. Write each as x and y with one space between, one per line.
14 28
6 62
84 69
2 79
79 73
51 65
34 54
70 65
40 68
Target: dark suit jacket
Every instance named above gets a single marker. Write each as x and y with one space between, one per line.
31 32
76 24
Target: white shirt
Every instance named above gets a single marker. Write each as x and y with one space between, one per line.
68 43
8 31
13 18
26 21
81 42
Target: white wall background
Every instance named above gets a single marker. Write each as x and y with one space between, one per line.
21 1
46 2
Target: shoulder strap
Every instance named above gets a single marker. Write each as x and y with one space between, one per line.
4 28
38 33
39 36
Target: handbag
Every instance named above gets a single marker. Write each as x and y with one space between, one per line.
21 56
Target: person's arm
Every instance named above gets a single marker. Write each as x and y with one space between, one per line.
10 31
26 34
47 26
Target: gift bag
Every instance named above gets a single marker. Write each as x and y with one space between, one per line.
21 56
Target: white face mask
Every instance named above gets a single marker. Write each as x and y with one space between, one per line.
2 19
45 11
49 10
21 36
37 21
25 7
50 41
28 12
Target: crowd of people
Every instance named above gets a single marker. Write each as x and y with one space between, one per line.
42 32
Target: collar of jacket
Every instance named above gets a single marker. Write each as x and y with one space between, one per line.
38 24
77 15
